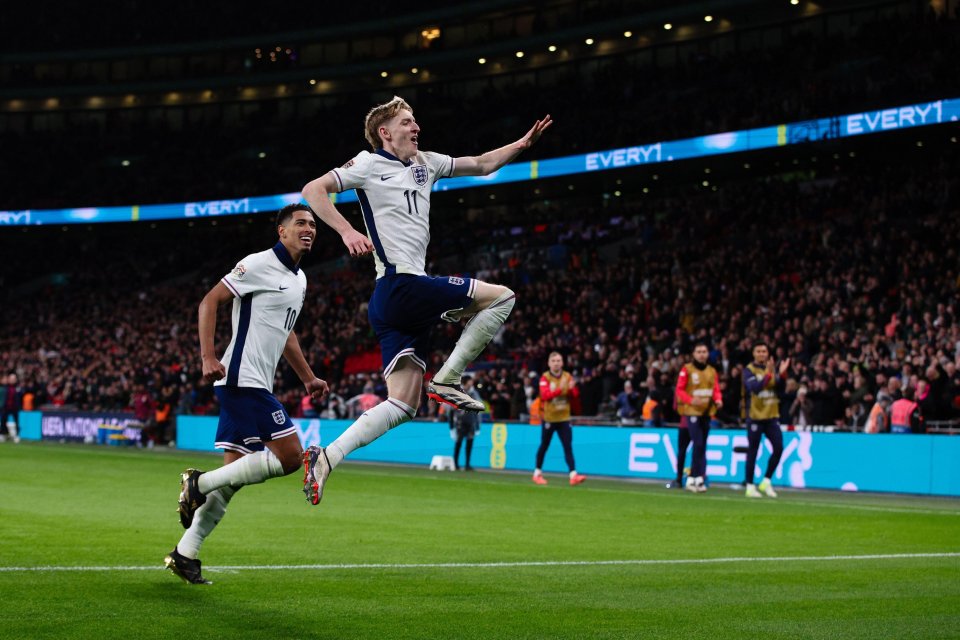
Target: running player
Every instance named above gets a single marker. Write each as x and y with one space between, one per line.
698 398
267 290
393 184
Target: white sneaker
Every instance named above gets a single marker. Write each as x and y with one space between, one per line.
767 488
701 487
752 491
691 485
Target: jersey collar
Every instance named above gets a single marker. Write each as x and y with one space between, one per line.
284 256
390 156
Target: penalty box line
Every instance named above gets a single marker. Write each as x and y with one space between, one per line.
499 565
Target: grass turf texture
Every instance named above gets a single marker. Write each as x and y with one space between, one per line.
63 505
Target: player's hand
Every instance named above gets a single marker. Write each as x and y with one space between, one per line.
784 365
212 370
317 388
357 243
719 404
700 402
536 131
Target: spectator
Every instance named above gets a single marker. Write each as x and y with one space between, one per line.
800 409
926 400
626 404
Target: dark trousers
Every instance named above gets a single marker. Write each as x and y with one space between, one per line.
565 433
683 443
699 428
6 414
466 455
756 429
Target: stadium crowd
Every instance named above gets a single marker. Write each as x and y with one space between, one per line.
708 92
852 276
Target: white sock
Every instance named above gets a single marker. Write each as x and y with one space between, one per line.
205 519
250 469
368 427
476 335
573 473
537 472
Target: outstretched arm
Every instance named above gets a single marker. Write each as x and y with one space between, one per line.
317 194
490 161
211 367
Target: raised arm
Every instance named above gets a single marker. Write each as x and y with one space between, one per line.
317 194
490 161
211 367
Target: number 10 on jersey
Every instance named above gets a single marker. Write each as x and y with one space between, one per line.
291 319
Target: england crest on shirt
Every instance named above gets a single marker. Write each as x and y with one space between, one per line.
278 417
420 174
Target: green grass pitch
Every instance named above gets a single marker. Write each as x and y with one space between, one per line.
375 559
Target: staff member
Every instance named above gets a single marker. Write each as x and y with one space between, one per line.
905 415
557 388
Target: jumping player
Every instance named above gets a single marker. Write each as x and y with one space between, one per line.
393 185
267 290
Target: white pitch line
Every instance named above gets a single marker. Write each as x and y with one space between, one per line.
500 565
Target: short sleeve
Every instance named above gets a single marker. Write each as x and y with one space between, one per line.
247 277
353 174
440 165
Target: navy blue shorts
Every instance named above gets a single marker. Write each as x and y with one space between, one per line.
248 418
404 308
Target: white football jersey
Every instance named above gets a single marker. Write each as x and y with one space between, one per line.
395 200
269 290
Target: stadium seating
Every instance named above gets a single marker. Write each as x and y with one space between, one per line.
849 269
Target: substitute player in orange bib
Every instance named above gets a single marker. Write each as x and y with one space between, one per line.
698 398
557 388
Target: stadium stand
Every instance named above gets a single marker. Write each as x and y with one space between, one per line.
846 263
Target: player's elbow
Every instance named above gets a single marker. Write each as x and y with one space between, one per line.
314 189
205 305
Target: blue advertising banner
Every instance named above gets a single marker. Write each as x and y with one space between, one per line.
854 124
89 427
845 461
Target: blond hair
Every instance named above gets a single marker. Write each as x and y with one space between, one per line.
380 114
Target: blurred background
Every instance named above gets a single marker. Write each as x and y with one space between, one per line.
840 252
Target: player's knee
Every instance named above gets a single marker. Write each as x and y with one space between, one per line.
504 302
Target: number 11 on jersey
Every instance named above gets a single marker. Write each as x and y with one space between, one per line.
411 195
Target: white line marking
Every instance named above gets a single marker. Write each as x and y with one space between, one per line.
499 565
